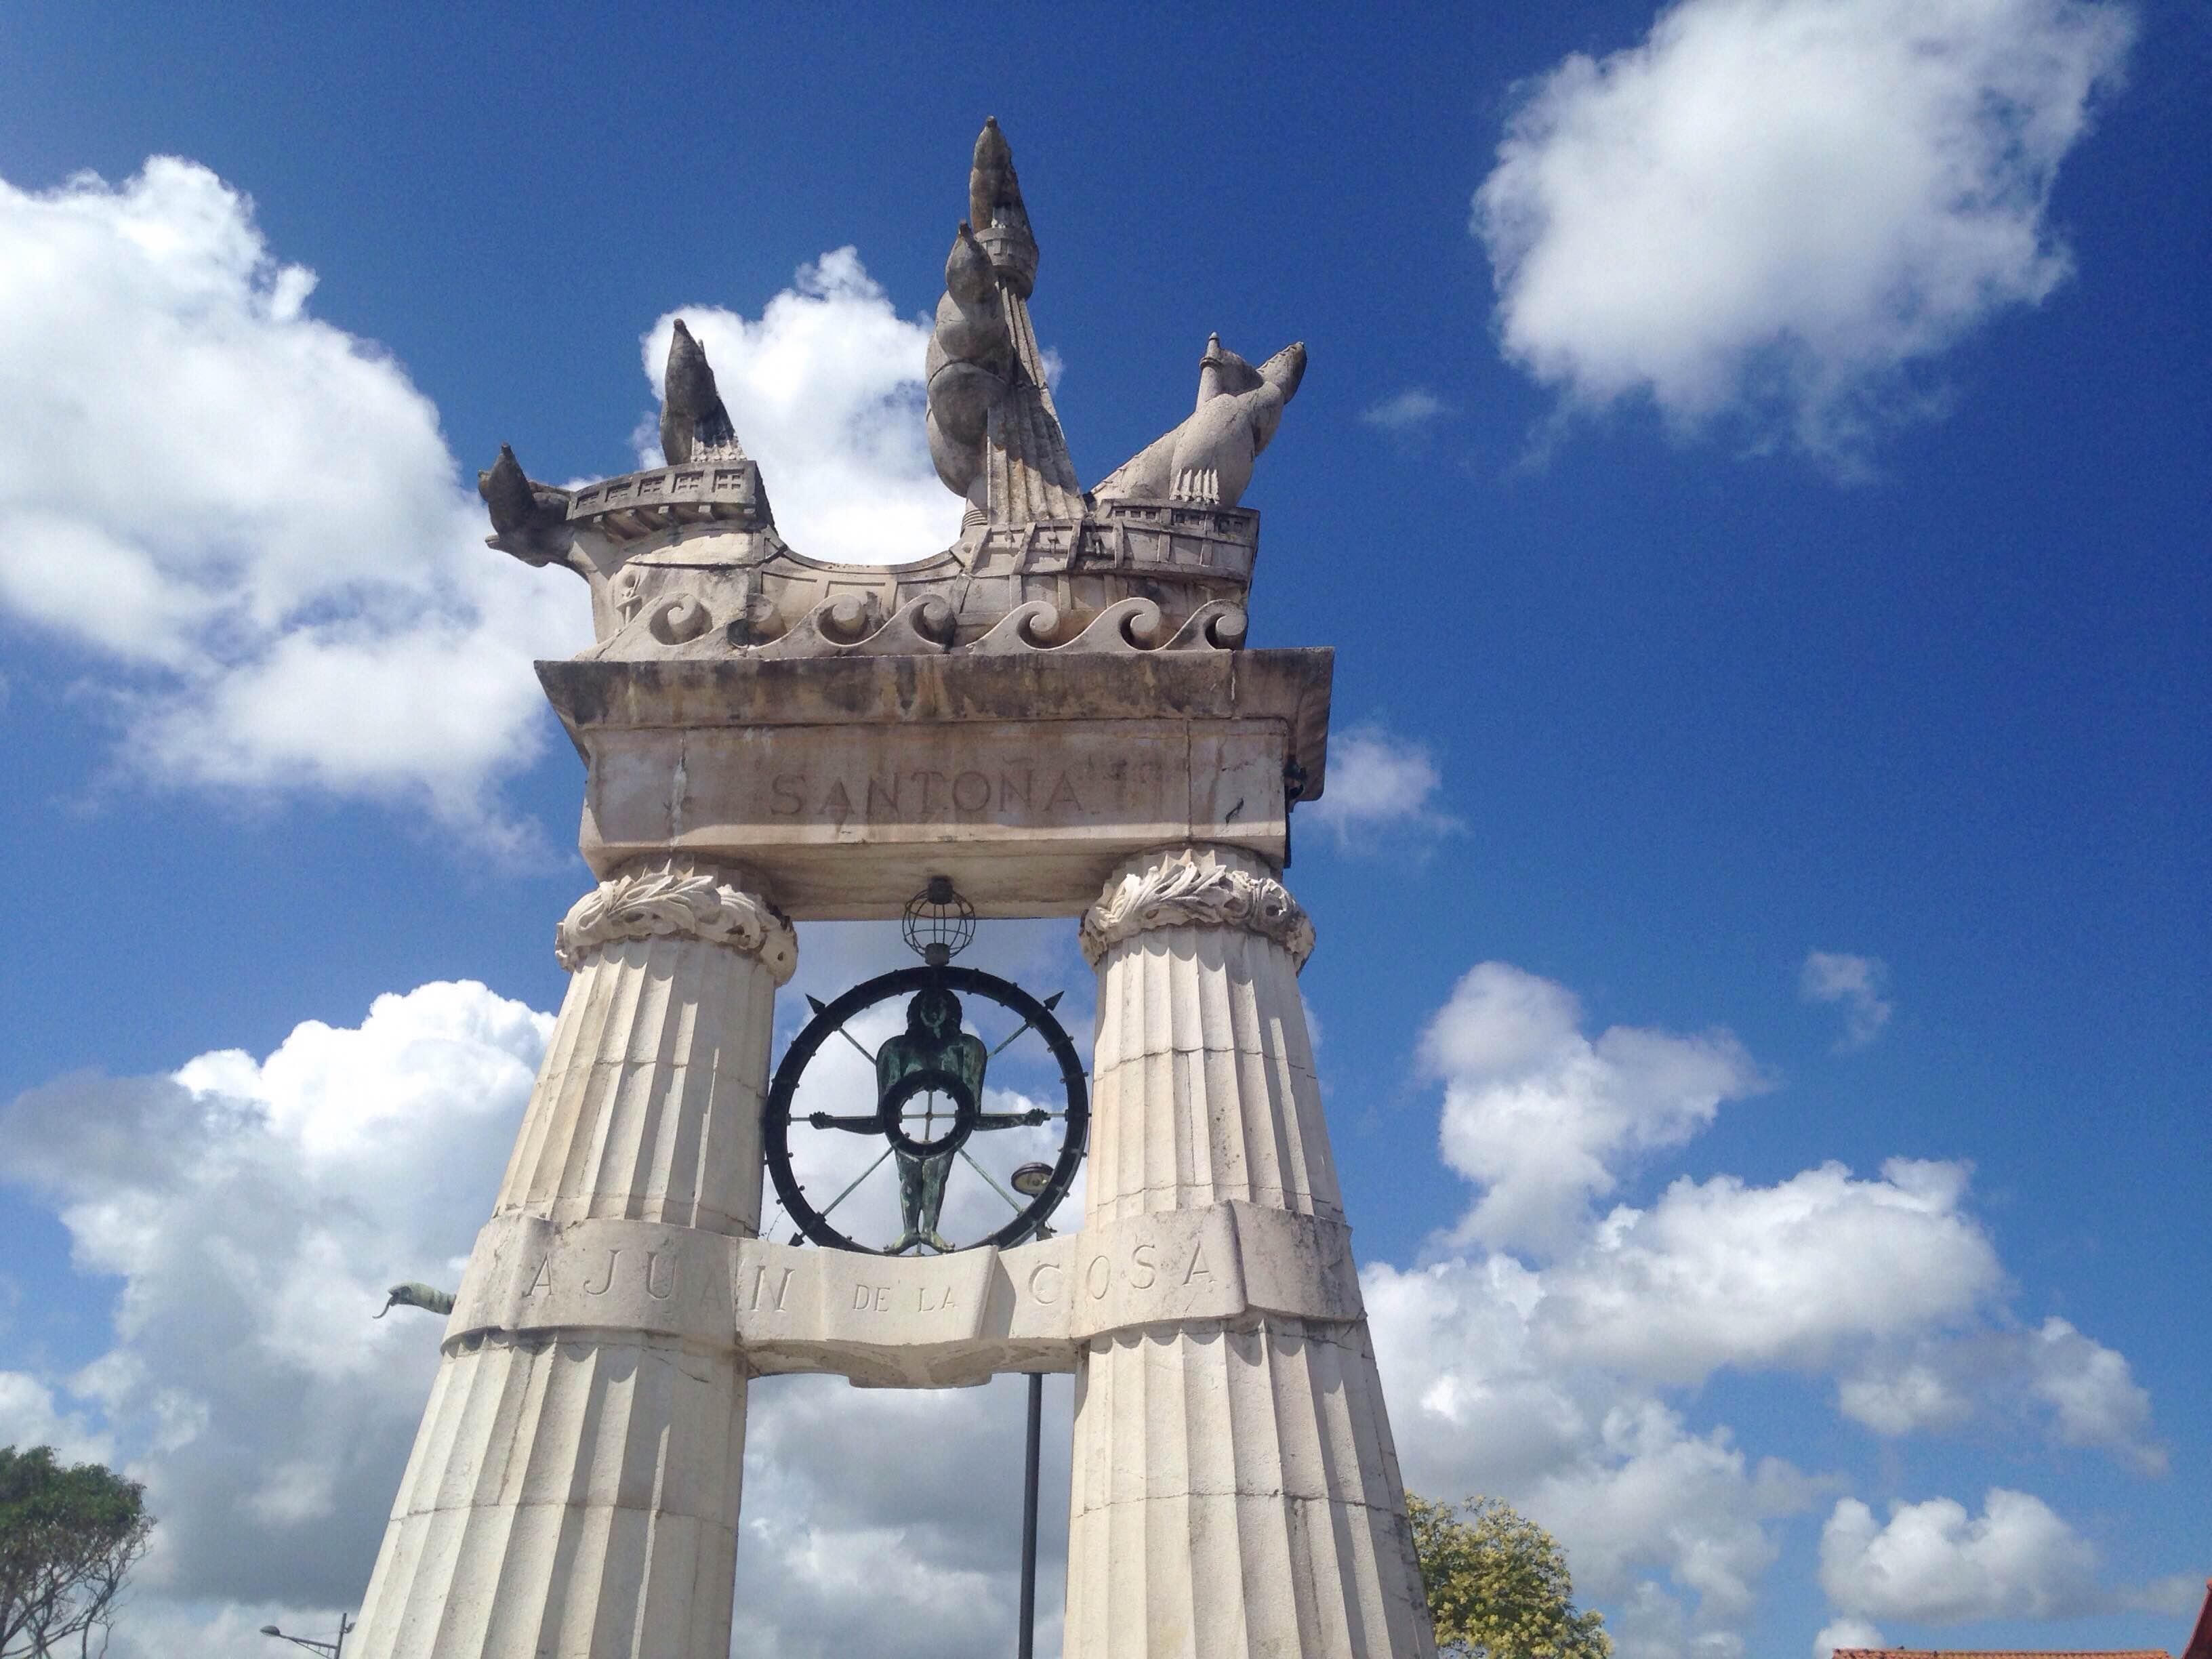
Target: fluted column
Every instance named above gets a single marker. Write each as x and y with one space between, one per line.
1235 1489
572 1491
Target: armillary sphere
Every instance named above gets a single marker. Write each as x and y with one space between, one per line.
927 1104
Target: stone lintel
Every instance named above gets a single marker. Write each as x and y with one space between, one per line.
848 781
944 1320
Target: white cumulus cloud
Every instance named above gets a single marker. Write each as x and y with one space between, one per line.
849 1542
2093 1393
1901 1397
1846 1633
1406 412
1540 1115
243 527
1549 1384
246 518
1548 1350
826 388
31 1416
252 1210
2064 1384
1663 1496
1781 206
1854 983
1934 1563
1723 1273
1379 783
1478 1403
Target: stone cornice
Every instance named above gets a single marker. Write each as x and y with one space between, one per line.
678 896
1196 890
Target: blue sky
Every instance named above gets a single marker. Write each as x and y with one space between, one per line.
1752 471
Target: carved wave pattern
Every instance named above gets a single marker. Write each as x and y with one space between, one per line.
1123 628
848 626
1196 891
681 896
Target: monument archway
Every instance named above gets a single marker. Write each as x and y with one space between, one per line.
1057 716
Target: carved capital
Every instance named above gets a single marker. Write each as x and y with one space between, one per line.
678 896
1196 888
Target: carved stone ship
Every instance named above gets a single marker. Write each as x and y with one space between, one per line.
684 560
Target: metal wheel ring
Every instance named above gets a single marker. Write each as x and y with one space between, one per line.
776 1118
965 1110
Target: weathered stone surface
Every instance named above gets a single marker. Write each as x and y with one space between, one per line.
918 1320
1236 1492
993 434
574 1498
704 537
684 560
691 412
574 1488
678 896
1197 888
849 782
1207 460
573 1485
1057 712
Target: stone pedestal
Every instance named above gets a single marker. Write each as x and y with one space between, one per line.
1235 1489
573 1487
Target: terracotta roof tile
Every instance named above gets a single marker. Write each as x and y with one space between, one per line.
2199 1639
2200 1647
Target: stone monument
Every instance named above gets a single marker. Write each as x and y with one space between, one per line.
1057 716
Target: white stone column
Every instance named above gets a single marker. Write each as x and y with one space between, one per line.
1235 1489
572 1491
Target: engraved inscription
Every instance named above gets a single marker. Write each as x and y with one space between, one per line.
1035 1305
762 1295
606 1284
1144 1272
1014 793
884 1298
1095 1273
598 1274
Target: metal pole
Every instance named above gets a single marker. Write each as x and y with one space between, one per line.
338 1652
1027 1646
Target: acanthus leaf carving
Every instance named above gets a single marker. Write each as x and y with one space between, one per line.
678 896
1195 889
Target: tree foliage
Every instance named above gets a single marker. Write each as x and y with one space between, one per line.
1498 1584
69 1537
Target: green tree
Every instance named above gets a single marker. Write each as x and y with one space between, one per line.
69 1537
1498 1584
